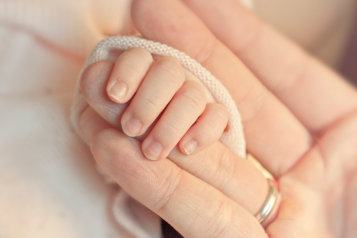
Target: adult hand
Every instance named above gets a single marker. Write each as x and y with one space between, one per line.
300 122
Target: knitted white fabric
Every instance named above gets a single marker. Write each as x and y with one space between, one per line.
108 49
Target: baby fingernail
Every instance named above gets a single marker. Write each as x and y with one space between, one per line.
132 127
118 91
153 150
190 147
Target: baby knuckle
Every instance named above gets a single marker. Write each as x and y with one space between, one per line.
208 134
193 97
171 68
221 114
171 127
140 52
150 103
211 131
144 110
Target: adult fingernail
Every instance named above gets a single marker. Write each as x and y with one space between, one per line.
132 127
190 147
153 150
118 91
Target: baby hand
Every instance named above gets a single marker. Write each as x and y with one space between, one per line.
160 91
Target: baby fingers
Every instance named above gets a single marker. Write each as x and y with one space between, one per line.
182 112
161 83
207 130
153 86
129 70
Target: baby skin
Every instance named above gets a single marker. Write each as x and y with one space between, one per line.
165 104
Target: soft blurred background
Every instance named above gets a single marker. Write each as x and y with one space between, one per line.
49 186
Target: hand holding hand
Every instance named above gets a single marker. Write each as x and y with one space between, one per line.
300 122
167 104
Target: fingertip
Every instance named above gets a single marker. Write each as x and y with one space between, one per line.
189 147
132 127
117 91
153 150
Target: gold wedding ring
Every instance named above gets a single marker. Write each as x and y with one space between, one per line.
270 202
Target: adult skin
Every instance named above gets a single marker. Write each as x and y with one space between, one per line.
300 122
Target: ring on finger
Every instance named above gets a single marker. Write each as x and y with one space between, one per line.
270 202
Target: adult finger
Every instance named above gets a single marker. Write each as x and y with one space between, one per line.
192 207
235 177
274 135
316 95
